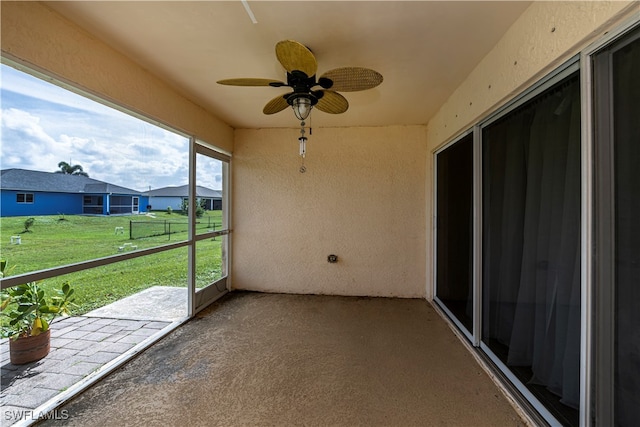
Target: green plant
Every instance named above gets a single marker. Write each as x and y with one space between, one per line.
169 210
28 310
3 268
199 209
28 223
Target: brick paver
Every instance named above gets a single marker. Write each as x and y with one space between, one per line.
79 346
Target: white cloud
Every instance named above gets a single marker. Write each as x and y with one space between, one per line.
43 125
26 123
25 143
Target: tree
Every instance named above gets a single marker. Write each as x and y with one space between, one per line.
68 169
199 209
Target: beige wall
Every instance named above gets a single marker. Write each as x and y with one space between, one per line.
34 35
546 35
362 198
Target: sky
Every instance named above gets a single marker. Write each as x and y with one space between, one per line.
43 124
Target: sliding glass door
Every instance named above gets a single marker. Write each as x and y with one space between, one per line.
537 238
454 229
626 106
531 246
617 287
518 295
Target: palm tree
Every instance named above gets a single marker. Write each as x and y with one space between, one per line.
67 169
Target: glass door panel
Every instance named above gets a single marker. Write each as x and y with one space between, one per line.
616 368
531 247
211 226
454 231
626 131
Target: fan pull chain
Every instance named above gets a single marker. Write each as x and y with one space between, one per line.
303 146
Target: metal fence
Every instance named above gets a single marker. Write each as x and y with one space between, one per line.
141 229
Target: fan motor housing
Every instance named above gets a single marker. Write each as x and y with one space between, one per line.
302 85
300 82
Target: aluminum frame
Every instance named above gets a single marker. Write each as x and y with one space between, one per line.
597 322
469 334
202 298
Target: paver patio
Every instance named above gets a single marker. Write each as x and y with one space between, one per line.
79 346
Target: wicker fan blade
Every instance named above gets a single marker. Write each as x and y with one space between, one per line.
295 56
352 79
276 105
251 82
332 102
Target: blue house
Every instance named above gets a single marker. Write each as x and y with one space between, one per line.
26 192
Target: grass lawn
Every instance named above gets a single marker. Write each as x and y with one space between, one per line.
57 240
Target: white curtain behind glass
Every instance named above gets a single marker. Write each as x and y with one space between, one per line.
531 238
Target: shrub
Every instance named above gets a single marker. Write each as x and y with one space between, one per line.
28 223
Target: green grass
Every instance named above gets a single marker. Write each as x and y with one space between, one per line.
56 240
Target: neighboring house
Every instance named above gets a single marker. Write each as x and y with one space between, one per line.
162 198
27 192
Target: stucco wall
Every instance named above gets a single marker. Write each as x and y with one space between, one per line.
546 35
34 35
362 199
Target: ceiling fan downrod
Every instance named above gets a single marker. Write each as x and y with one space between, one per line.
303 146
303 140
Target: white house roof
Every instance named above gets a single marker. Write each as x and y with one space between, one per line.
183 191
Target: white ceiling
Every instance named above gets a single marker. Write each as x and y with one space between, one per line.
424 50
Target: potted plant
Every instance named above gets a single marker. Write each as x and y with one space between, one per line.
28 314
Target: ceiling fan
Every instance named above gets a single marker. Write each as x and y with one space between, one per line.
309 92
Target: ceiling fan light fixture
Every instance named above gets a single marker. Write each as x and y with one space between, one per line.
301 107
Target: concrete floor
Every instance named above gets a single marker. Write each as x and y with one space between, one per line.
160 303
268 359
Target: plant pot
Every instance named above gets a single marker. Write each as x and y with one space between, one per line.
29 349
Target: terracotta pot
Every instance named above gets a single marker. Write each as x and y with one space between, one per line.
29 349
